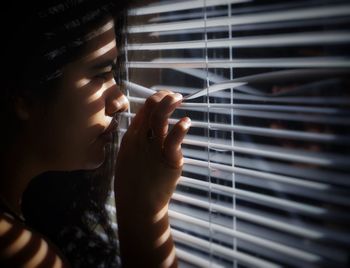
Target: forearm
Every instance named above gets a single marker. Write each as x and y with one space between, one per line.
145 238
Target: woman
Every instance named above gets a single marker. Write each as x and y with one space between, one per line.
58 106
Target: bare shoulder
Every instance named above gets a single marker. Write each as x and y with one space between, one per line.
22 247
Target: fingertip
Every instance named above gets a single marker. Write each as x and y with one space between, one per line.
186 123
177 97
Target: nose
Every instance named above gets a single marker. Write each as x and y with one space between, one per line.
116 102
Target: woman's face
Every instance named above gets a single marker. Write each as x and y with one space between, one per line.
70 132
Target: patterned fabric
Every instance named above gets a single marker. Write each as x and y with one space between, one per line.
84 249
79 256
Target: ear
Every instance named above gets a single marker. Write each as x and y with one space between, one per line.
22 108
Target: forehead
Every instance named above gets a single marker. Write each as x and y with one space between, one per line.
101 44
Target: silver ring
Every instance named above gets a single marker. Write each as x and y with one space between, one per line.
151 136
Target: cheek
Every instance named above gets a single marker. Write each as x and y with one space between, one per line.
85 125
68 128
85 115
95 111
75 126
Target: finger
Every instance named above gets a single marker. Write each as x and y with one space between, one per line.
172 145
151 104
140 121
161 114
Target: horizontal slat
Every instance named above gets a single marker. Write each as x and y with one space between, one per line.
306 175
280 203
314 100
240 84
172 6
274 224
224 109
280 153
294 14
282 25
299 156
290 75
320 100
321 246
284 76
268 132
220 250
311 62
254 107
259 174
295 39
332 234
259 198
300 172
280 248
271 116
195 259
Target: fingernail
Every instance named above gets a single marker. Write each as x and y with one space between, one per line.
177 96
187 122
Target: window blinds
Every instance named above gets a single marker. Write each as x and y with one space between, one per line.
266 175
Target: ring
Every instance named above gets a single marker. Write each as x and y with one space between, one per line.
151 136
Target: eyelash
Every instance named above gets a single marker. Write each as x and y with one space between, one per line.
104 75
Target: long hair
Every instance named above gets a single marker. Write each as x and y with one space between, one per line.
41 37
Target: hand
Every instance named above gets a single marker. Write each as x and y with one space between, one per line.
148 169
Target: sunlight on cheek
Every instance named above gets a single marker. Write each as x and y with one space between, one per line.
108 84
82 82
96 99
100 90
97 95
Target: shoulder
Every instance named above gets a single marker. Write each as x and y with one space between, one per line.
20 246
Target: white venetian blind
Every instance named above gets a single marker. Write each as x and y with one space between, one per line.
266 178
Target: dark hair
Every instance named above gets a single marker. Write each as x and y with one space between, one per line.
42 38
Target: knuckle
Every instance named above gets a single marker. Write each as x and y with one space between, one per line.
151 101
168 99
156 98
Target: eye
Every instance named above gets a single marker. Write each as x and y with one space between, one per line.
103 76
107 75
